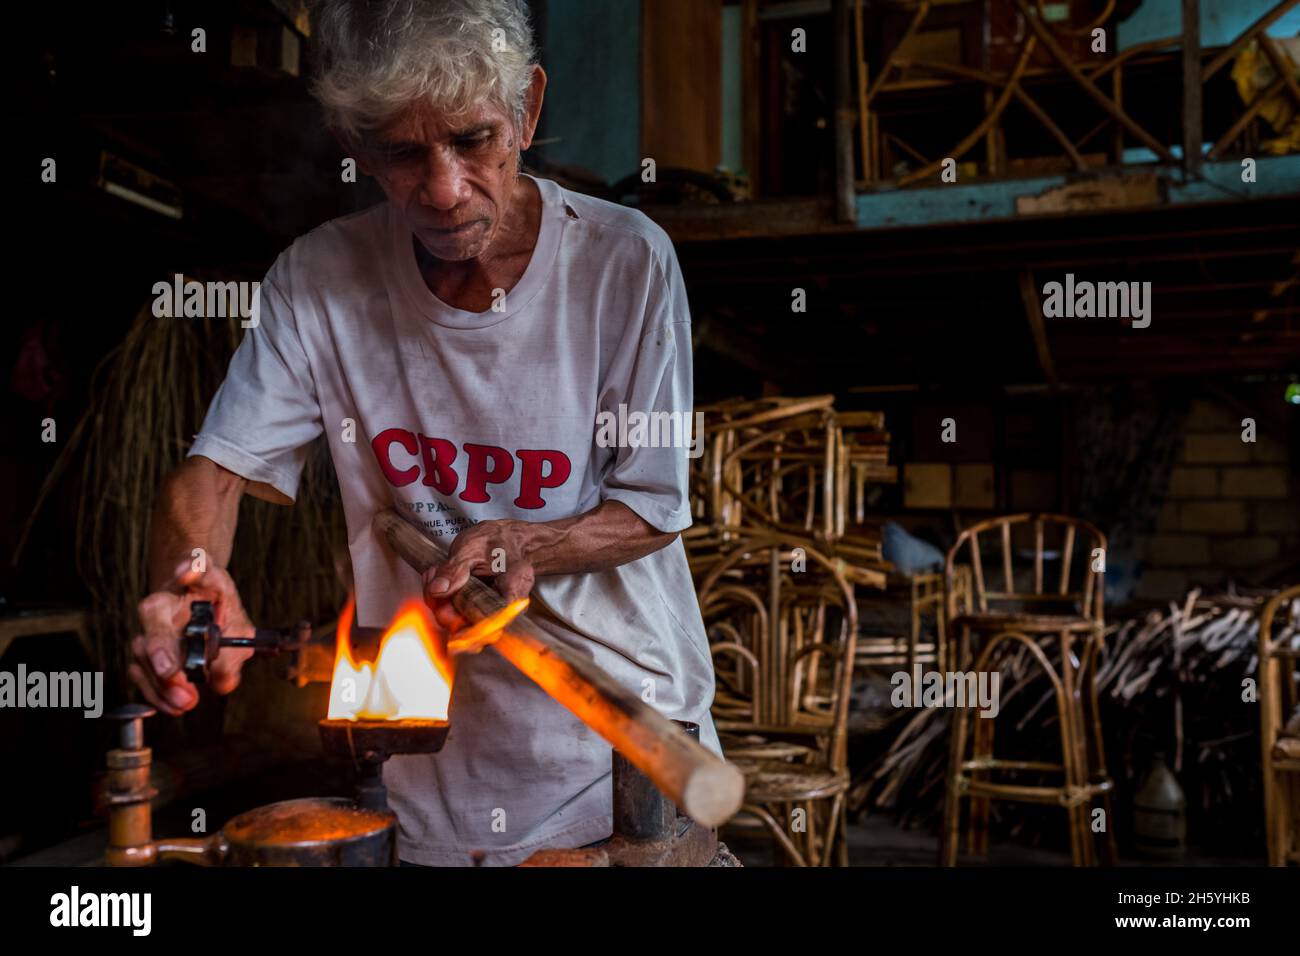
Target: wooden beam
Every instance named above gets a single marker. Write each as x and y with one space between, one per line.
864 116
1192 104
991 118
992 80
1038 113
681 83
1244 120
1285 69
898 141
1037 328
750 59
918 17
1044 33
846 114
1260 25
799 216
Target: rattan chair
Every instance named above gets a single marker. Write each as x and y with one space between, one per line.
789 468
736 486
1279 709
1042 613
783 643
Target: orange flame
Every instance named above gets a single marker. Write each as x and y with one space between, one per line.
410 678
412 674
473 639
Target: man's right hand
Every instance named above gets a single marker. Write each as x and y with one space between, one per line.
156 667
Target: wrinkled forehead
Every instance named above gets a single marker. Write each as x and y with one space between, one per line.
429 123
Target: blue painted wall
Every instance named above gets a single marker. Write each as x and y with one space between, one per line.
928 205
1222 21
591 52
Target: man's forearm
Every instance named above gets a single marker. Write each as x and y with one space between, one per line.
609 535
198 507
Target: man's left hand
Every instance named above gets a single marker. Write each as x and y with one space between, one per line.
500 549
514 553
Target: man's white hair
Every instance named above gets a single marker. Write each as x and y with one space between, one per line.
377 58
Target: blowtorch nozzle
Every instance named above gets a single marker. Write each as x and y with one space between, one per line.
202 640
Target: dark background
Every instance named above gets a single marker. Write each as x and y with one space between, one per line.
919 311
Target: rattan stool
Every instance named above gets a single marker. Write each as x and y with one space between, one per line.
1045 619
1279 709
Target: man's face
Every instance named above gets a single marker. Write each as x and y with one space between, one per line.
452 180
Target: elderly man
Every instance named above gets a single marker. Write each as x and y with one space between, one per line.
455 345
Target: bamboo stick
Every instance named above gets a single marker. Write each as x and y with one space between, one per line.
705 788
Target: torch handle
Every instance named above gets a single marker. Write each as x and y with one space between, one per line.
705 788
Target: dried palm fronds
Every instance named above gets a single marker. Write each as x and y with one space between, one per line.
148 399
1172 681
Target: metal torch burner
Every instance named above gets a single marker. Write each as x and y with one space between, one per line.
316 831
368 743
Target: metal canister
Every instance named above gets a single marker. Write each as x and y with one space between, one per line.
1160 814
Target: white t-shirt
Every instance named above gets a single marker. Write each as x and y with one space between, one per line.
461 417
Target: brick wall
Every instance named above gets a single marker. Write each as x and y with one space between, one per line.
1231 510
